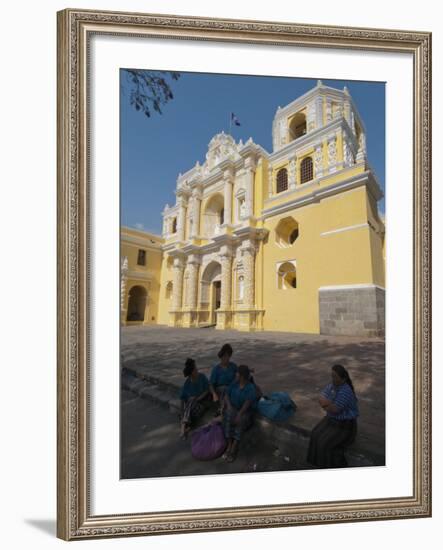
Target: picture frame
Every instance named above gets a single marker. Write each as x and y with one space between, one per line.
75 518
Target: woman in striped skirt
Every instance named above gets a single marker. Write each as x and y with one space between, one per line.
194 396
338 429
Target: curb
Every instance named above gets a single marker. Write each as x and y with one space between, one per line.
282 435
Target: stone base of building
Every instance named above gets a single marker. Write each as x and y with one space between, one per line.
224 320
175 319
247 320
189 319
352 310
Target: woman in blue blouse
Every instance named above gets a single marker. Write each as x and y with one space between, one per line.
222 374
193 396
338 428
240 402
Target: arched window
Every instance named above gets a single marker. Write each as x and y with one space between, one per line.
286 232
174 225
213 215
297 126
282 180
287 276
306 170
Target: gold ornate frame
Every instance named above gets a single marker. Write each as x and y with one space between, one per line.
75 27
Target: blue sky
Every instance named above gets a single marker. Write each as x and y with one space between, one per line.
154 150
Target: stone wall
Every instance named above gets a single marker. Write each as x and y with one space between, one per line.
352 310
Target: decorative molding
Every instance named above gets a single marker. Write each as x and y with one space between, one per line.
341 229
75 29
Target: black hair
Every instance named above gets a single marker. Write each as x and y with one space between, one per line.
189 367
344 375
244 372
226 349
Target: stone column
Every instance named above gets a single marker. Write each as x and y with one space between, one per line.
196 203
123 281
250 172
228 178
193 265
226 278
224 316
177 282
189 316
248 253
181 222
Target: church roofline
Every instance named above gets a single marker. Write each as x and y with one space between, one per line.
321 89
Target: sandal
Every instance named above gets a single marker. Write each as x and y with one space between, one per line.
231 457
225 456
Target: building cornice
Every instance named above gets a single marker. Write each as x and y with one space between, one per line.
142 238
140 275
311 139
318 194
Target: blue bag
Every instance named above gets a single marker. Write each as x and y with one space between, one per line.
278 406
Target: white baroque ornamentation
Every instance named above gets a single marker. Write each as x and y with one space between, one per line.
292 172
311 116
361 154
332 152
318 160
222 146
282 132
242 207
347 154
328 110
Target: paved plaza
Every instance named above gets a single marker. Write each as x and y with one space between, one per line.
296 363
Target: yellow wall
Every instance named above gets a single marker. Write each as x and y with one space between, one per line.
147 276
339 258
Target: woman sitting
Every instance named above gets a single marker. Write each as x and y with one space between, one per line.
222 374
338 429
240 402
193 395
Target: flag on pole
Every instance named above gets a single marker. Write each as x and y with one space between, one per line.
234 120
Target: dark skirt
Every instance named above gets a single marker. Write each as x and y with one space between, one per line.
194 409
235 431
328 442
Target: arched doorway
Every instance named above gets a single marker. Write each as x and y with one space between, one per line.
137 304
210 294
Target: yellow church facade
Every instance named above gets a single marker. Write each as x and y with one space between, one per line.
290 240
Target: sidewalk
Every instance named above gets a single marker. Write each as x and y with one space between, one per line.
296 363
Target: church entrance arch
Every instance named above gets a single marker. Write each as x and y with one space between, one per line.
210 291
